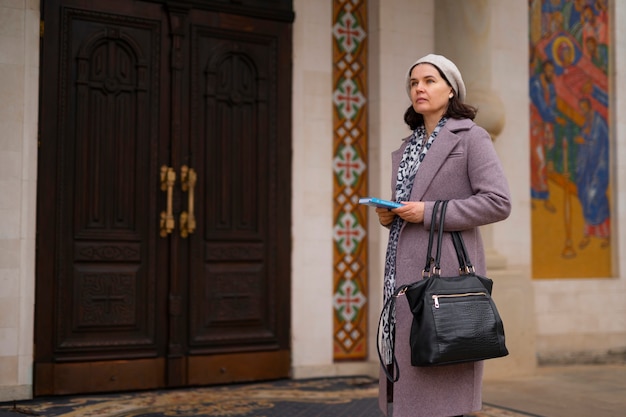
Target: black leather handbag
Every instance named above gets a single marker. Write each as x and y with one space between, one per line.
455 320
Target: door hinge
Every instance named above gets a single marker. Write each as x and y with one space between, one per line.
41 28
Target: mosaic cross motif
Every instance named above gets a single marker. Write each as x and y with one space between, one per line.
348 300
348 31
348 99
348 166
350 182
348 233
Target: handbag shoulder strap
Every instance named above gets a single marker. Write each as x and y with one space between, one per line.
388 310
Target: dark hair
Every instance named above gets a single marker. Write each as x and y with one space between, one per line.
456 109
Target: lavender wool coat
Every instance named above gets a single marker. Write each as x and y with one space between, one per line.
463 167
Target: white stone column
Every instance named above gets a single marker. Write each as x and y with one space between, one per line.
464 35
466 32
400 32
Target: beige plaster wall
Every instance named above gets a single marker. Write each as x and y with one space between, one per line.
19 66
511 238
312 256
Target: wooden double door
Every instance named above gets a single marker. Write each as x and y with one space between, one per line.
163 223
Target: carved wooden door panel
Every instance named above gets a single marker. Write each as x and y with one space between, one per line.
240 148
101 286
153 118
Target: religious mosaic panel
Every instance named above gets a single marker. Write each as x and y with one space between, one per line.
350 180
569 138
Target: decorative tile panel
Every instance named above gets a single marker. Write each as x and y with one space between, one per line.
350 281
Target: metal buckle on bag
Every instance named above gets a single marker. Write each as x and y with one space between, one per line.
468 270
402 292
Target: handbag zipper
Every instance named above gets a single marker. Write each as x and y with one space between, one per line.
436 297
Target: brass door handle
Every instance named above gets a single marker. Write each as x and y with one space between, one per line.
188 179
168 179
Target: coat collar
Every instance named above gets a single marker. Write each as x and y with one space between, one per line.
446 141
456 125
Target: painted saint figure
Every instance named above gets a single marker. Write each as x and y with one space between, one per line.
543 116
592 174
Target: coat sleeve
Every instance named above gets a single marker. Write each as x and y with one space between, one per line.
490 199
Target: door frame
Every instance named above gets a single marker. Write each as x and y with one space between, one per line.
173 368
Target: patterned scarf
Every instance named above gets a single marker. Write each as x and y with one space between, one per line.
413 155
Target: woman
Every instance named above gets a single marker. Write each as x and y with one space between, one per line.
447 157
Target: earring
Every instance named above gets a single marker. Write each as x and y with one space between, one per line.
451 95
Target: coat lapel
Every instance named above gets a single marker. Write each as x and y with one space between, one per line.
446 141
437 154
396 158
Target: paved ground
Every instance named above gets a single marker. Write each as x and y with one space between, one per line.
564 391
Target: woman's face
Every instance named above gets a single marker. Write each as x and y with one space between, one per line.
430 93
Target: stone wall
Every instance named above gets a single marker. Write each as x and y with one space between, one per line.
19 66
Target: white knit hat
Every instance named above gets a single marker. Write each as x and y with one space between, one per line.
448 68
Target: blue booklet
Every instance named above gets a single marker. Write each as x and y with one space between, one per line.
377 202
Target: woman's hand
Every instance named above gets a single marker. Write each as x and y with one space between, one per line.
385 216
411 211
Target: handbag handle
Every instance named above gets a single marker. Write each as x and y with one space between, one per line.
459 254
429 258
442 216
465 265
